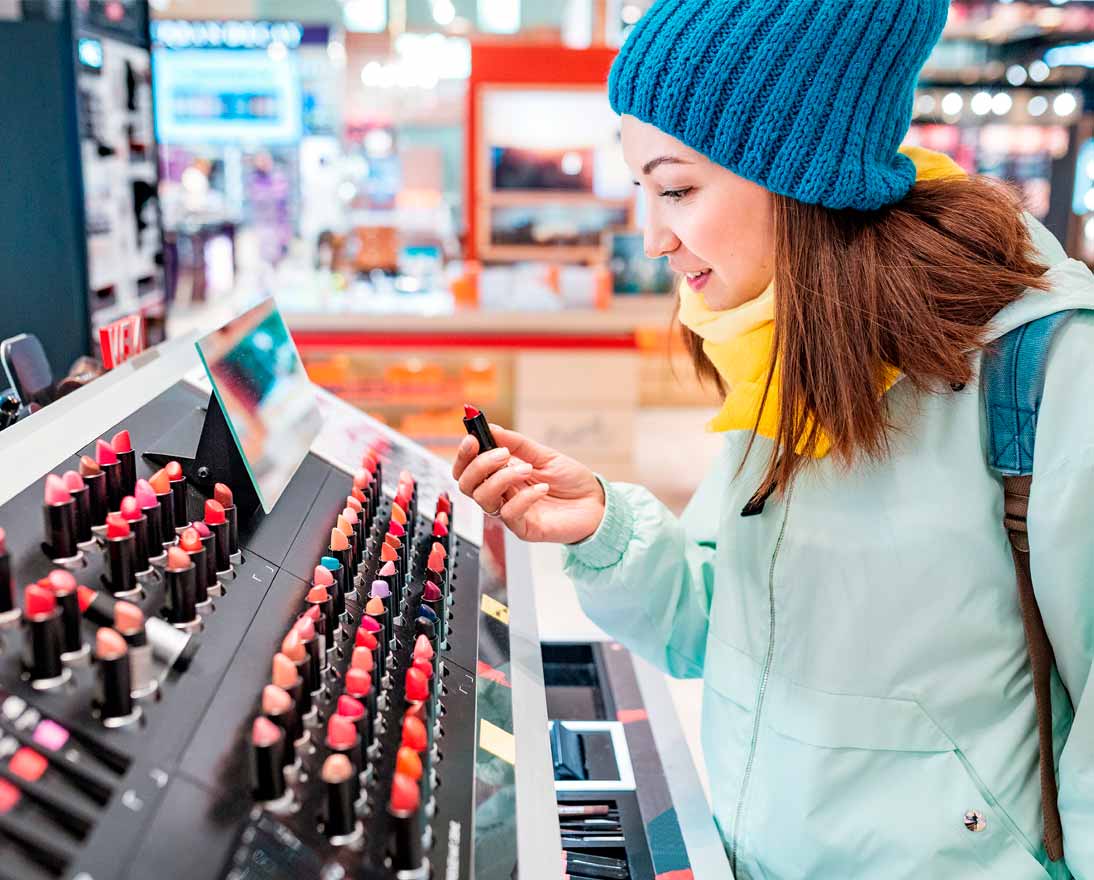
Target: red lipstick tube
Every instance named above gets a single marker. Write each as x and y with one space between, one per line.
120 554
478 427
44 642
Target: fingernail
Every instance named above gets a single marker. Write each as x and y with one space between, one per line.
501 452
523 468
542 487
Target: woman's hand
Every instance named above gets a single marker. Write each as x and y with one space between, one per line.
540 494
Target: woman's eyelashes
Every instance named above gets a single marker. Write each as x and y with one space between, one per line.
675 195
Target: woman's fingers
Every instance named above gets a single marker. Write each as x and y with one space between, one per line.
465 454
522 447
491 493
481 468
514 510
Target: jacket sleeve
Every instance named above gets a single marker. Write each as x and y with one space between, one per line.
1061 534
646 577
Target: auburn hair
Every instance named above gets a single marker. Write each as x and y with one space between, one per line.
912 285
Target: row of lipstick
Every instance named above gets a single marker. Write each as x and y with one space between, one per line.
302 673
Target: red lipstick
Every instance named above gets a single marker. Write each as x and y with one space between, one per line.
404 814
110 466
44 640
343 739
121 549
478 427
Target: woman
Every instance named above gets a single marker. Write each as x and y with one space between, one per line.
842 580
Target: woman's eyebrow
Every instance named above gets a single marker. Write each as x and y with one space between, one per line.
663 160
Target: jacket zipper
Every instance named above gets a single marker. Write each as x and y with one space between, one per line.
764 677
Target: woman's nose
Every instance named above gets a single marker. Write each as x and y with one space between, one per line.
659 242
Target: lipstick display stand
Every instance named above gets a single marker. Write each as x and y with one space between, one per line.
171 796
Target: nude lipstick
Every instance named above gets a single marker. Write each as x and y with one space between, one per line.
60 520
63 584
177 480
181 587
222 494
190 541
172 647
114 699
267 765
95 480
129 622
278 706
339 778
161 485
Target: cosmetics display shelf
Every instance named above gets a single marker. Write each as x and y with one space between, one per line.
173 794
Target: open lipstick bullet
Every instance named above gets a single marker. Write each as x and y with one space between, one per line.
161 486
222 494
404 819
267 765
44 641
278 706
217 523
121 556
309 639
114 699
81 497
340 549
343 739
150 507
339 778
190 542
127 461
356 711
138 525
74 650
214 585
284 674
95 480
293 648
319 595
60 521
111 467
129 622
336 588
181 587
346 527
177 480
375 629
478 427
173 648
359 686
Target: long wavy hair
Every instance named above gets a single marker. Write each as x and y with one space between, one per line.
913 285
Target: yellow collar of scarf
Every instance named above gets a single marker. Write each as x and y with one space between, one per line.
739 341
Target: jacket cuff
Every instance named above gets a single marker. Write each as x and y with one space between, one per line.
606 546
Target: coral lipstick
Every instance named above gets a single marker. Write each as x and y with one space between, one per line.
222 494
127 461
129 621
181 586
114 699
161 485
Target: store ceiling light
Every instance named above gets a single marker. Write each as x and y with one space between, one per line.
952 104
981 104
444 13
1037 105
499 16
277 51
1039 71
1065 104
630 14
925 104
1001 104
365 16
1016 75
572 164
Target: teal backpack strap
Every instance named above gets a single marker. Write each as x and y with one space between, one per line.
1012 380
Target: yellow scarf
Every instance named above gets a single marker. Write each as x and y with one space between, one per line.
739 341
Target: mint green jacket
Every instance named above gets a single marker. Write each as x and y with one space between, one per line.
867 694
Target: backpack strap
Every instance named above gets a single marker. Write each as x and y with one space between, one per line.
1012 379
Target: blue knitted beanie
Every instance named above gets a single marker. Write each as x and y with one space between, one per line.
808 98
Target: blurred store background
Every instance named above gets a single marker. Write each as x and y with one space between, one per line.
434 192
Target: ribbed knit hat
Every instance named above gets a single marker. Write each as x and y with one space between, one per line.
808 98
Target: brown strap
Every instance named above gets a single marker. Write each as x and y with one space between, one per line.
1041 658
